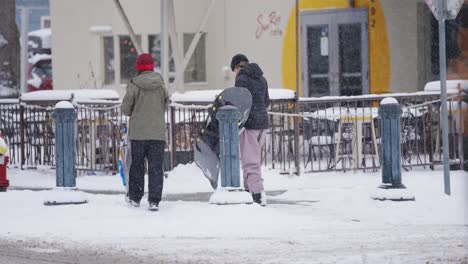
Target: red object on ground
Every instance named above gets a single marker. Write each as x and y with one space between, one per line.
4 183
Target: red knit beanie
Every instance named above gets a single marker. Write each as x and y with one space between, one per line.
144 62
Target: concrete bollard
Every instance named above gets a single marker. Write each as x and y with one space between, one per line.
65 120
230 191
65 150
392 187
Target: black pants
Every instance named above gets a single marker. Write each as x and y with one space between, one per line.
153 151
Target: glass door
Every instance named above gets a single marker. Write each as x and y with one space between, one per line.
316 62
335 61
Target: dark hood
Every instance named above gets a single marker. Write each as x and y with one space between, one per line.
252 70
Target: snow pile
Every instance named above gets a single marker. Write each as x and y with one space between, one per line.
50 95
281 93
3 41
68 95
452 86
208 96
375 96
195 96
392 194
337 113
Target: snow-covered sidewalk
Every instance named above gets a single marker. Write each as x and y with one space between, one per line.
330 219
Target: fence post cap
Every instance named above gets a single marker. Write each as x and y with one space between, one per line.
388 100
64 105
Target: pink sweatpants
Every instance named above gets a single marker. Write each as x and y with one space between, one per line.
251 142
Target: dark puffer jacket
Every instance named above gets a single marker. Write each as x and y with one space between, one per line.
251 77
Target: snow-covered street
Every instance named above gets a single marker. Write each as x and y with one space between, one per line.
315 218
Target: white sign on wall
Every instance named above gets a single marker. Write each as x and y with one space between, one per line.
451 7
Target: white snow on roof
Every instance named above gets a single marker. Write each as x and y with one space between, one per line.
210 95
100 29
45 35
3 41
451 85
38 57
67 95
45 32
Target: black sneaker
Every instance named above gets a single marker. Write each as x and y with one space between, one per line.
257 198
260 198
131 202
153 207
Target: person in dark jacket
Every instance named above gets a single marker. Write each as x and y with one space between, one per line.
250 76
145 102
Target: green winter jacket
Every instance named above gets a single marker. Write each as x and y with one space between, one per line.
145 103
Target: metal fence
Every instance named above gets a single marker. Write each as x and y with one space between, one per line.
332 133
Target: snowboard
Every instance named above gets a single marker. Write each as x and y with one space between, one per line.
125 159
206 146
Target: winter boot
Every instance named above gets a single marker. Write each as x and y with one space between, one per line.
131 202
260 198
153 207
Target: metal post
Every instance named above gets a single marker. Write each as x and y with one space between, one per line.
164 44
172 139
22 136
24 48
443 92
460 129
296 107
228 117
131 32
65 120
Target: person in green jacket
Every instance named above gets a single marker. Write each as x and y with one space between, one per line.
145 102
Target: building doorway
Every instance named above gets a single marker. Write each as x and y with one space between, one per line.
335 52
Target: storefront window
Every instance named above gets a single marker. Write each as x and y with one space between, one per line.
109 66
196 68
128 56
154 46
